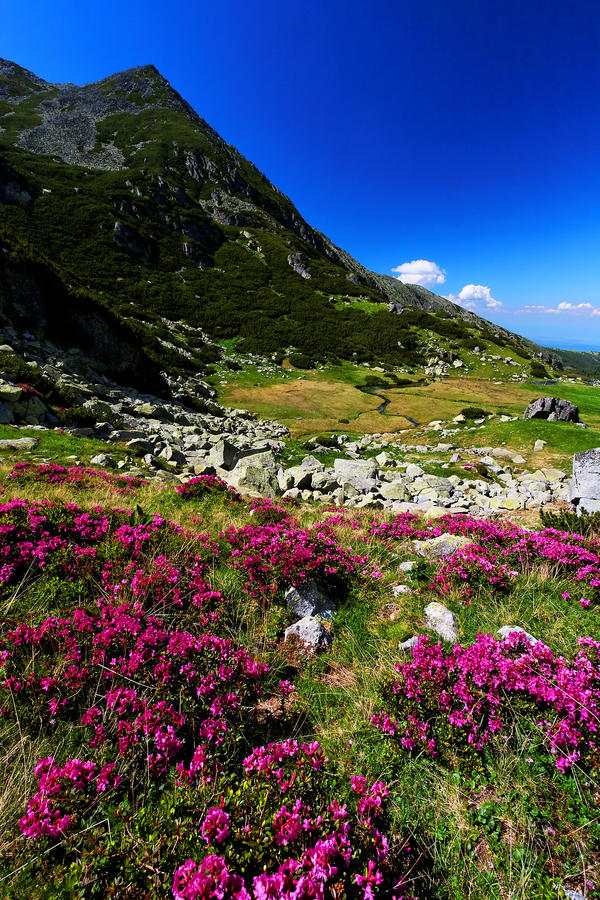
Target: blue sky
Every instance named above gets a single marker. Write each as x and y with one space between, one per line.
457 142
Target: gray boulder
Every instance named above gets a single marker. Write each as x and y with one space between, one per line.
255 480
441 546
584 490
552 408
359 470
299 477
309 600
18 444
504 632
311 633
224 454
394 490
103 460
442 621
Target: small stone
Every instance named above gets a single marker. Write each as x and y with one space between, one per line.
408 565
539 445
310 632
442 621
403 646
103 460
398 589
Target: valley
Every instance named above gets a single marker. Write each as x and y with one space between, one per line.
294 599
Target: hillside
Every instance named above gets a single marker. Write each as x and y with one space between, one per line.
165 733
119 191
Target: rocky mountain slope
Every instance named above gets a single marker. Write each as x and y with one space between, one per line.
137 211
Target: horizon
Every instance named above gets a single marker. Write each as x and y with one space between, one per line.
480 187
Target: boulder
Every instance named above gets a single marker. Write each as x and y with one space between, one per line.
552 408
504 632
18 444
356 469
255 480
10 393
324 482
584 490
442 621
394 490
224 454
172 455
310 632
441 546
6 415
107 462
308 599
298 476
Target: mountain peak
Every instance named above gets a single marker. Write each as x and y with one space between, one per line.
62 119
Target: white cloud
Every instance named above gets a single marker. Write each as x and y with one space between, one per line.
475 296
420 271
581 309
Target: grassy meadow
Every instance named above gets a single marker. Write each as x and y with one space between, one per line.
500 823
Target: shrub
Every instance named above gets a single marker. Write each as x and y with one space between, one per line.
537 370
587 524
206 486
457 701
301 361
76 416
473 412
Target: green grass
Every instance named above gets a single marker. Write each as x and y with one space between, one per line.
458 820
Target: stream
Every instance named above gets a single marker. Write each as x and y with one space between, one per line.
385 401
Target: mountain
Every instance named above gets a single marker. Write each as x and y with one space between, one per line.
122 211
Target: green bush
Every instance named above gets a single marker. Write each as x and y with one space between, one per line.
76 416
473 412
587 524
301 361
537 370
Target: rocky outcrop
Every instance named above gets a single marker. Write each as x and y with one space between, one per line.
554 409
584 490
298 262
33 298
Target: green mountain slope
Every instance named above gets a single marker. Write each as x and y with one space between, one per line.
123 193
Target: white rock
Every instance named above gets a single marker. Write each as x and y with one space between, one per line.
442 621
310 632
504 632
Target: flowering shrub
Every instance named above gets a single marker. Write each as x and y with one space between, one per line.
266 512
206 486
160 710
462 698
75 476
272 556
499 552
283 825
